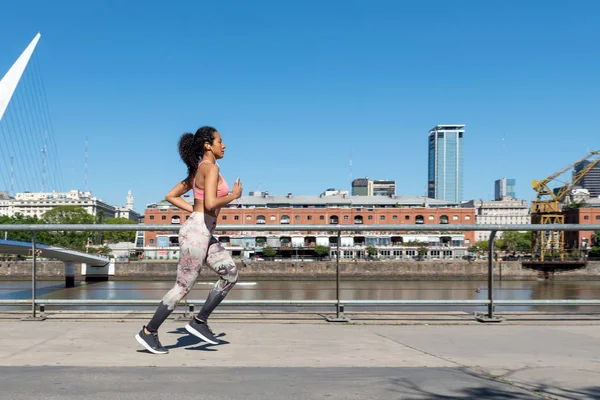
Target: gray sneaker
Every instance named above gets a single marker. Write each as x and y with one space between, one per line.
201 330
151 342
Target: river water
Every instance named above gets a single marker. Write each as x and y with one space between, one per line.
324 290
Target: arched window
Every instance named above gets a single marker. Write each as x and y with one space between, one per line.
444 219
261 219
419 219
334 219
285 219
358 219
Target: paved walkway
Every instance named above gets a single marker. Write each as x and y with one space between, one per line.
301 359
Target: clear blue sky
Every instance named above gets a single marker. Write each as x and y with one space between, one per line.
295 87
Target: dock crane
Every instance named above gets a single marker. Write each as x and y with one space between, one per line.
547 209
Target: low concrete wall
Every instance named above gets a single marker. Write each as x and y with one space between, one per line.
19 270
373 270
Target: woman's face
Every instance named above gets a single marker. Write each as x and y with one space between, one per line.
218 148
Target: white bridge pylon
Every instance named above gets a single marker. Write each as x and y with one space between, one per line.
9 82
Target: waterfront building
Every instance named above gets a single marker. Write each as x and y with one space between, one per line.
31 204
324 210
506 211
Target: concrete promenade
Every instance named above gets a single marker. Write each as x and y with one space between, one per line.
299 356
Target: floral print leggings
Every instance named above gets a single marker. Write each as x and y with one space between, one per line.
197 247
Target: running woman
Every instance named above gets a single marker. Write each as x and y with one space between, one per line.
198 246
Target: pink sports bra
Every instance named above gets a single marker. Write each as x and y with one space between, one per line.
222 189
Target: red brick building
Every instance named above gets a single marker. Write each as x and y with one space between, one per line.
582 216
319 210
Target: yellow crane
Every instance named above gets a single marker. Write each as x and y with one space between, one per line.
547 209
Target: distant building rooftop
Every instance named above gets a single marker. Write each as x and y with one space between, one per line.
328 201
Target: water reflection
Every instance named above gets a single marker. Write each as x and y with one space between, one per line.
325 290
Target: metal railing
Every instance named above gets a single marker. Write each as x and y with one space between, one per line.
338 302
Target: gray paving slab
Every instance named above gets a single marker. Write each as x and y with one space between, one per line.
209 383
560 361
245 345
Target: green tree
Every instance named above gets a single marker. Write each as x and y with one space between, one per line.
510 241
321 251
473 249
514 241
422 251
482 246
23 236
371 251
269 252
68 215
119 236
415 243
575 205
103 250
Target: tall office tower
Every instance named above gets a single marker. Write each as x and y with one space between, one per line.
504 187
591 180
445 172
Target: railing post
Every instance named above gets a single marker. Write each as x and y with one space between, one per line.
491 275
490 314
33 273
34 316
339 309
337 275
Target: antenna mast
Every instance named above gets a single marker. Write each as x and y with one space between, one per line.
86 165
44 169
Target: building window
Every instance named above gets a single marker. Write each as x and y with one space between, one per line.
406 217
419 219
431 217
586 217
597 216
370 217
309 217
334 219
358 219
224 217
444 219
297 218
273 218
455 218
236 217
285 219
346 218
248 218
382 217
164 217
467 217
151 241
321 217
175 220
260 219
152 217
395 217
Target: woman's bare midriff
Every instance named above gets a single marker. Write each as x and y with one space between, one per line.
199 207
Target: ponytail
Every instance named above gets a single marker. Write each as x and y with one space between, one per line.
191 148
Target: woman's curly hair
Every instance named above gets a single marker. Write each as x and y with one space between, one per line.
191 148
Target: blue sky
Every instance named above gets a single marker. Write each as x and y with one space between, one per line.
296 87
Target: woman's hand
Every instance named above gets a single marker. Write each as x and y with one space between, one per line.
237 188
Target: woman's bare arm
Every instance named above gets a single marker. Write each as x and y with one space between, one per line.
211 181
174 196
